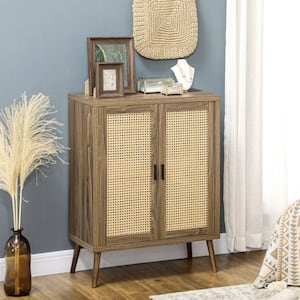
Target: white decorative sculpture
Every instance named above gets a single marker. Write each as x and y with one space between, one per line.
184 73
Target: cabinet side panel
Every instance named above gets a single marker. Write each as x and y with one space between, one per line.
214 166
80 205
97 170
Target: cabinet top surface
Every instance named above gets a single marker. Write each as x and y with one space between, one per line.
140 98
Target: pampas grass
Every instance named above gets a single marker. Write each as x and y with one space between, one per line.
29 141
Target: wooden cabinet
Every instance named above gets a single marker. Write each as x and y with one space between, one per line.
144 171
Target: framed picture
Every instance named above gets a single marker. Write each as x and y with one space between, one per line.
112 50
109 79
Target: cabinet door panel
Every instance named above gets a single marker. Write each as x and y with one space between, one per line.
130 192
185 197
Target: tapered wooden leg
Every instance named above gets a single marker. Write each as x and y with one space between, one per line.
75 258
189 250
96 269
212 257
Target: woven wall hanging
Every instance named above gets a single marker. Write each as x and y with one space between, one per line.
165 29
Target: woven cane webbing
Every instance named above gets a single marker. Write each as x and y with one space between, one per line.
187 170
165 29
128 174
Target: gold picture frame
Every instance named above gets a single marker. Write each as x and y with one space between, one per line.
109 80
112 50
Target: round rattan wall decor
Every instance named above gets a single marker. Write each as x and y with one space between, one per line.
165 29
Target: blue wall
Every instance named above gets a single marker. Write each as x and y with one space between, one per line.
43 49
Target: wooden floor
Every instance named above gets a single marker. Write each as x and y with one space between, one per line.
137 282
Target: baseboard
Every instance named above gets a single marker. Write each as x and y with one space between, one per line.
60 261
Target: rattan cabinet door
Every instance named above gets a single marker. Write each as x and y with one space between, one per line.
130 190
186 190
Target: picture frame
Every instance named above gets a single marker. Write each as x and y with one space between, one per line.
109 79
112 50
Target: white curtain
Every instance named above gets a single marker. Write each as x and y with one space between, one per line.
281 106
261 160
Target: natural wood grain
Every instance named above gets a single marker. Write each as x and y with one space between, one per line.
212 257
95 274
75 258
189 250
142 280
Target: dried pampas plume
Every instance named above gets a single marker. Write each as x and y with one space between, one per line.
29 140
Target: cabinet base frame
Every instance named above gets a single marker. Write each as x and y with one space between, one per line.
97 256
